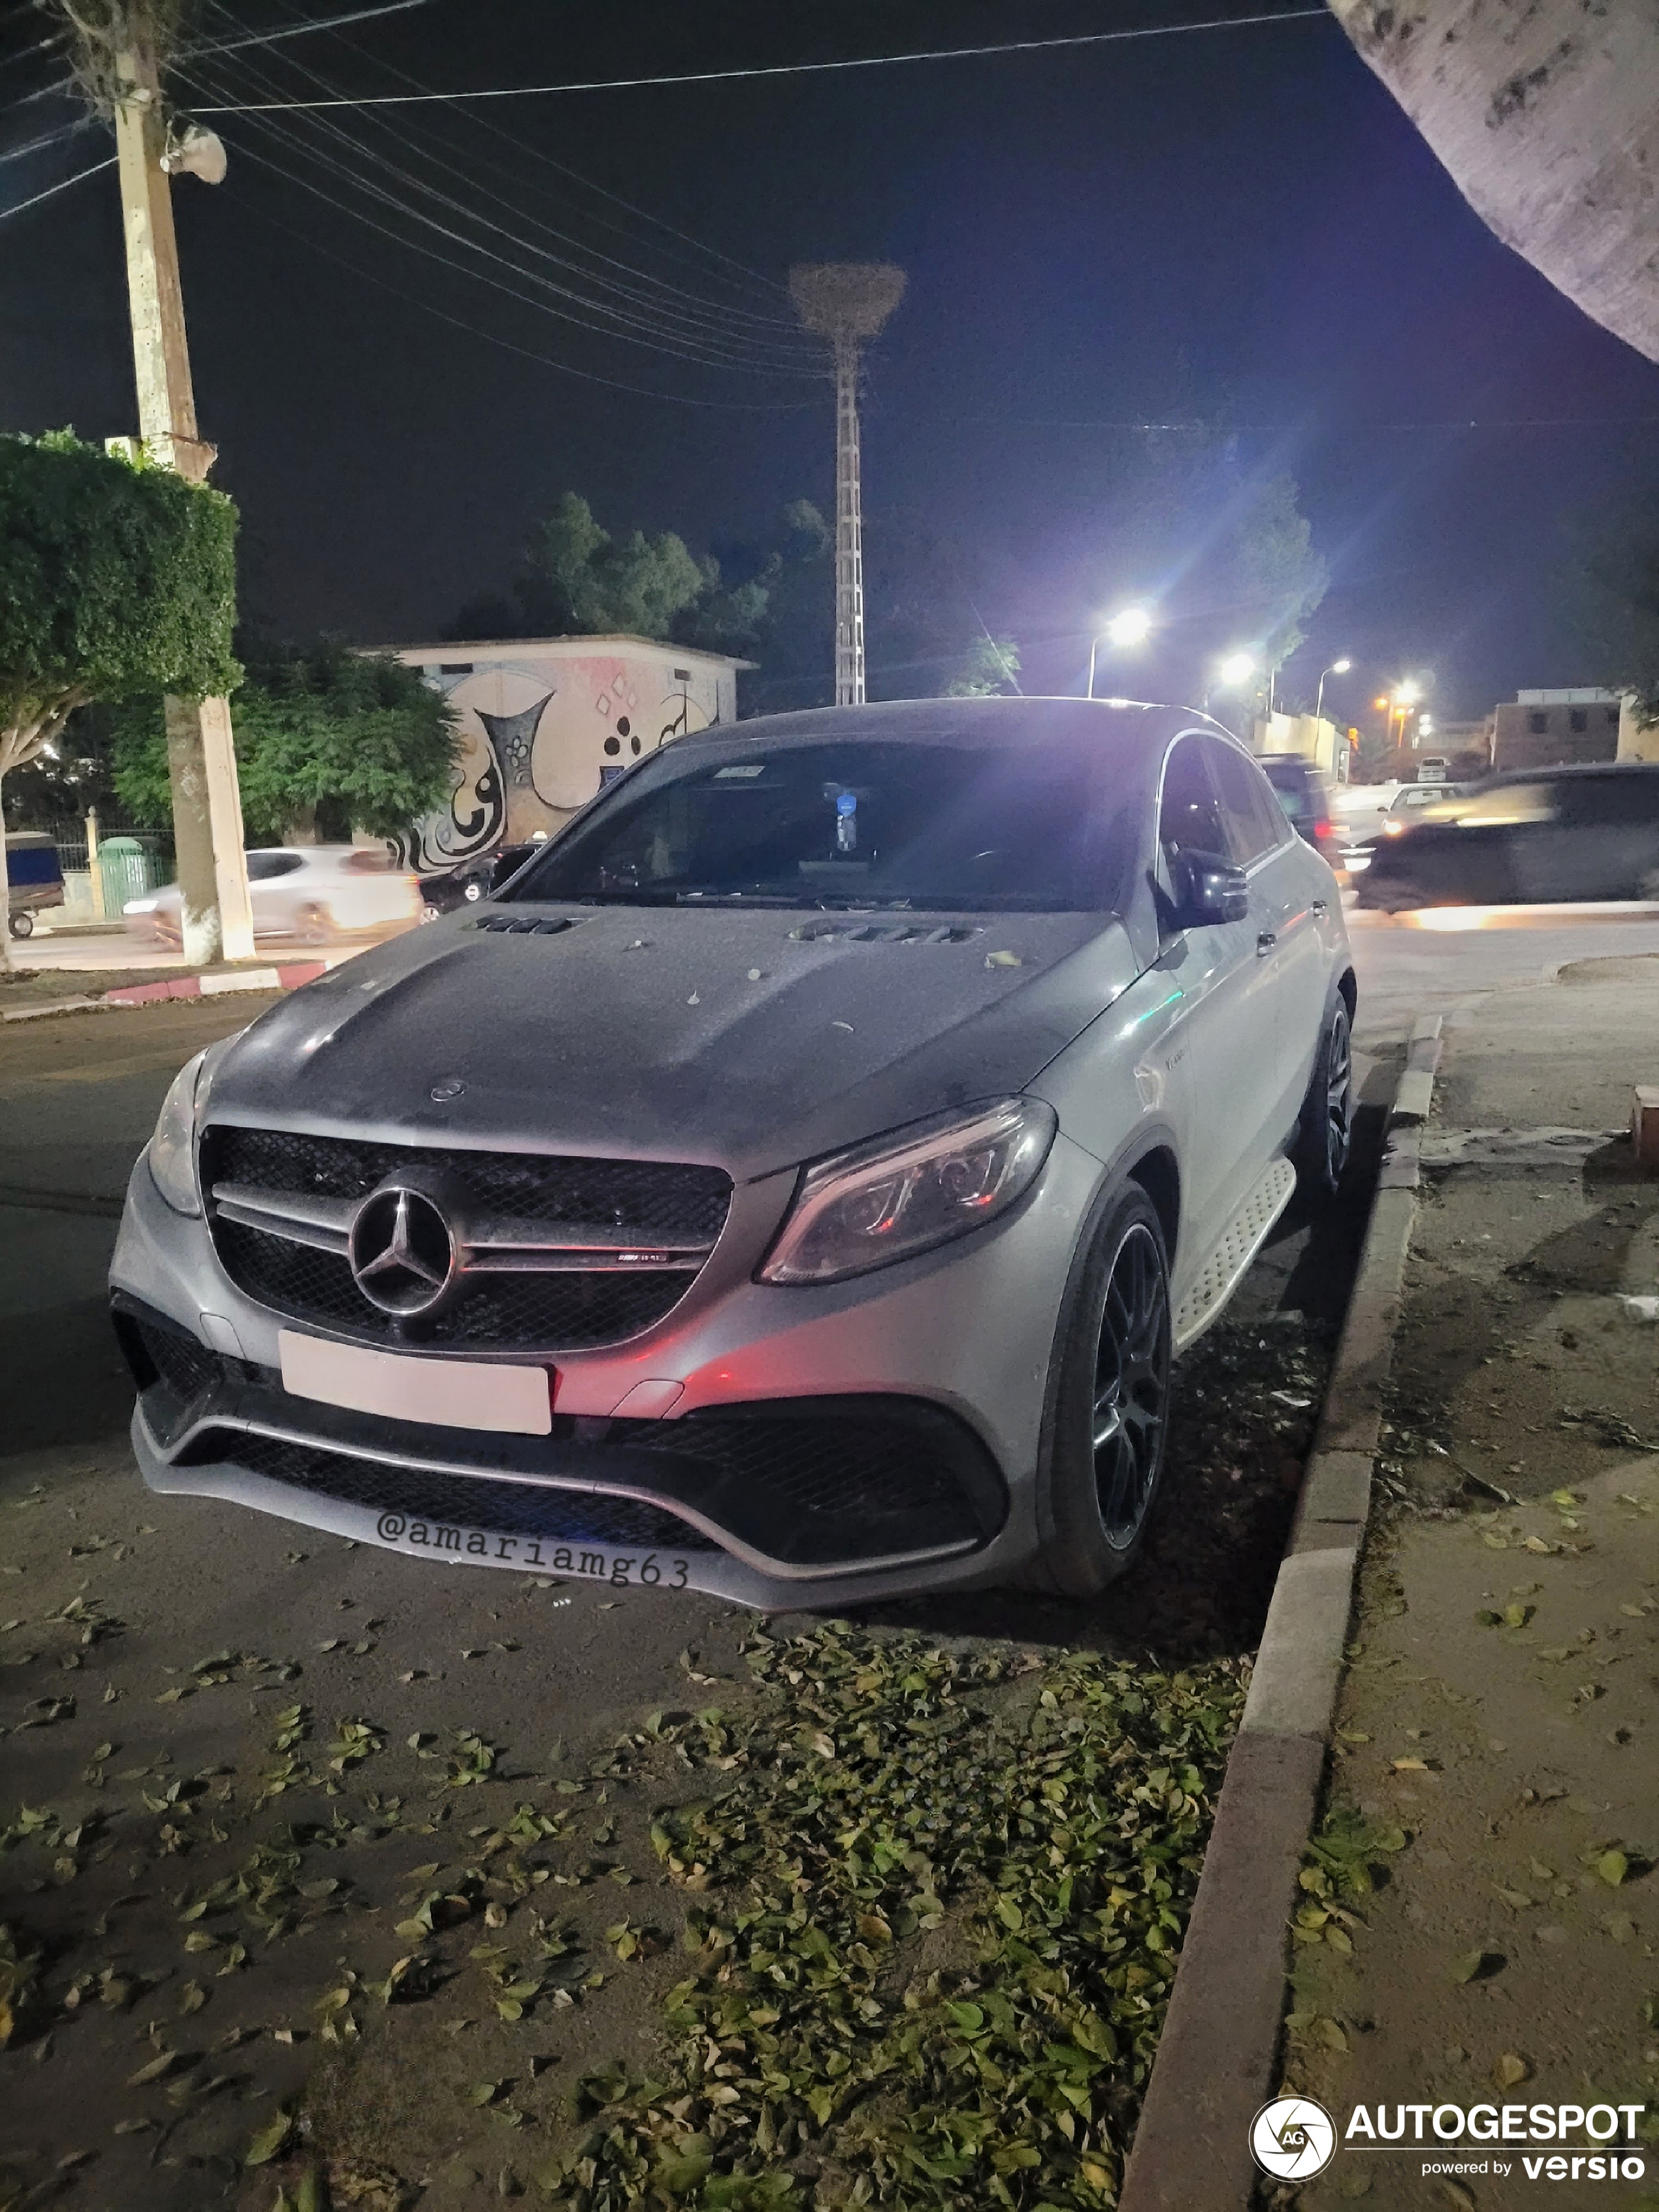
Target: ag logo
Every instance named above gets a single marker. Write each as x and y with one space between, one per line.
1292 2139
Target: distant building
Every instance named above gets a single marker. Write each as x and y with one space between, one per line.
546 721
1556 729
1317 741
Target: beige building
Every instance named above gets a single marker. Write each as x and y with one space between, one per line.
546 721
1556 729
1318 741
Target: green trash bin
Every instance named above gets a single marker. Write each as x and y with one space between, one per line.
124 869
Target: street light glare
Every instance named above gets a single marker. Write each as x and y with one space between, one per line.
1130 626
1341 667
1238 668
1407 694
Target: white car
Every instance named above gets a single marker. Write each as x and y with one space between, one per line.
792 1184
305 892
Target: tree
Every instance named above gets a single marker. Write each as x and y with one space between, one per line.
329 740
989 665
1614 596
116 578
1545 113
579 581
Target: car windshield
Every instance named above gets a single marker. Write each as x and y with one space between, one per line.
900 823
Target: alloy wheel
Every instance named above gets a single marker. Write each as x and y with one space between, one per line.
1339 1096
1131 1385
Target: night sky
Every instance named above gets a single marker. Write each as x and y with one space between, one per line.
1239 219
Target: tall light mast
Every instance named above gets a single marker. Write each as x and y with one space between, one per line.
847 302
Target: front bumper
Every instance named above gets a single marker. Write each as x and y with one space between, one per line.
827 1444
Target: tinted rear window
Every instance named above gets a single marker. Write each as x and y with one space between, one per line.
1033 826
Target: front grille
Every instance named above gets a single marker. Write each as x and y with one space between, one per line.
502 1309
509 1509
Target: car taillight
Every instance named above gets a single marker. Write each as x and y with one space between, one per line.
1323 829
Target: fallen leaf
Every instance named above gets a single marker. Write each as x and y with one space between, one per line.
269 2141
1511 2070
1612 1867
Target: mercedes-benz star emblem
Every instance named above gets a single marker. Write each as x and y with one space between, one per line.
402 1251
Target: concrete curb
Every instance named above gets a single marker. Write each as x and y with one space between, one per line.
1217 2062
287 978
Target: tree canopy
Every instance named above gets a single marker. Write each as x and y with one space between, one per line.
1613 594
326 738
116 578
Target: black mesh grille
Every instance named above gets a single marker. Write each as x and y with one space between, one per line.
510 1509
866 1477
655 1200
185 1366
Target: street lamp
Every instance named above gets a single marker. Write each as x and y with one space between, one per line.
1337 668
1237 668
1128 627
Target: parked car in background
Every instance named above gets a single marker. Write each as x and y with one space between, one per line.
34 877
1304 794
792 1185
472 880
309 893
1570 833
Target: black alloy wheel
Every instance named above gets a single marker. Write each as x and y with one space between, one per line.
1325 1134
1109 1404
1131 1386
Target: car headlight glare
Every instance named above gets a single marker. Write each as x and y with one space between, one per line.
905 1193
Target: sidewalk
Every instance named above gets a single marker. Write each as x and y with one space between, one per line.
1480 1927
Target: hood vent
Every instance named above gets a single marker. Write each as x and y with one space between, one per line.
853 932
510 925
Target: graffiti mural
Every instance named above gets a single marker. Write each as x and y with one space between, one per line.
545 725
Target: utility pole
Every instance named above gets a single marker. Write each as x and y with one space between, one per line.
214 914
847 302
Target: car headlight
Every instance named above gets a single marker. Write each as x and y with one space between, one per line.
139 905
907 1191
172 1149
172 1144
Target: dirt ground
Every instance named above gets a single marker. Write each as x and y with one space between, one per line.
1495 1736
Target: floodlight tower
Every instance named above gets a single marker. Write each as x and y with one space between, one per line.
847 302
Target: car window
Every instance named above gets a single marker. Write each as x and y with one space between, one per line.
263 867
1253 822
1189 819
1039 826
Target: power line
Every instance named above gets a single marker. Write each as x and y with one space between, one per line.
314 23
789 69
6 214
49 139
526 353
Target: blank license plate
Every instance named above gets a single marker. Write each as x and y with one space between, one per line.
457 1394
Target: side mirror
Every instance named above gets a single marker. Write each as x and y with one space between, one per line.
1215 889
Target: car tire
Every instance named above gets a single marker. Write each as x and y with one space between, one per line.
313 924
1325 1130
1108 1406
22 925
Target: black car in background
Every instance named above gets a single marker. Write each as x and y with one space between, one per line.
1304 796
1529 837
472 880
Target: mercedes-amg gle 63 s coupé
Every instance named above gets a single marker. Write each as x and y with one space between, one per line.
792 1183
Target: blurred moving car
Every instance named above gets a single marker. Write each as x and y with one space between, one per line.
1571 833
1304 795
307 892
34 878
1405 808
472 880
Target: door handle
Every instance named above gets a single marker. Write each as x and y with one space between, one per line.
1265 944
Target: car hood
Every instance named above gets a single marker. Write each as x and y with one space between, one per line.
751 1040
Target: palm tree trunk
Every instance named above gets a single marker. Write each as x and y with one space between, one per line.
1546 113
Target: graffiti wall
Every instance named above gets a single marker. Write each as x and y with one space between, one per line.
544 725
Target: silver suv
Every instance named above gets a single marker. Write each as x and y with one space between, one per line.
793 1184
